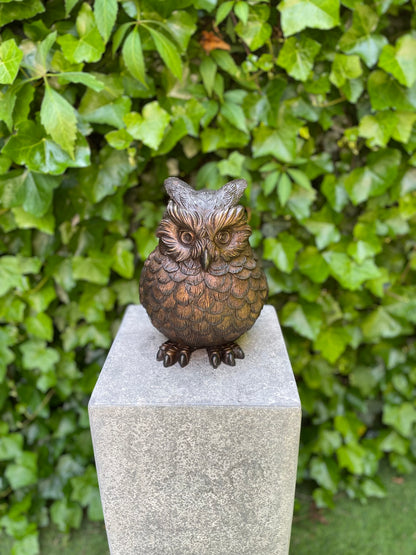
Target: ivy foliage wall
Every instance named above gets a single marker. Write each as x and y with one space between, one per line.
314 104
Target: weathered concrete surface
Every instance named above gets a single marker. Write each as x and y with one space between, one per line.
195 460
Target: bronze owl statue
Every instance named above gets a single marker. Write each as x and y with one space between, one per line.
202 286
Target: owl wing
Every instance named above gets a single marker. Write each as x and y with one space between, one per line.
168 292
240 297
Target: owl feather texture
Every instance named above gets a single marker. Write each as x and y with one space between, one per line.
203 286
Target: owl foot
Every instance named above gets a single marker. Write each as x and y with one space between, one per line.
171 352
226 353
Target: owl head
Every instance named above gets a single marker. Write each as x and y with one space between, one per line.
204 226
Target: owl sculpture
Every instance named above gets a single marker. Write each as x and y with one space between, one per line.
202 286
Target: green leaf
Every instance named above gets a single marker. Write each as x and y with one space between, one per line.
282 251
385 92
105 12
11 447
242 11
225 61
380 324
304 318
28 545
284 189
123 259
375 178
233 165
66 515
7 104
325 472
37 356
11 274
300 178
85 491
297 15
352 457
270 182
347 272
312 264
361 37
89 47
24 471
40 326
81 77
256 31
31 148
119 139
10 58
119 35
43 53
148 127
223 10
235 115
401 418
332 342
59 119
181 25
400 60
24 220
15 11
103 179
133 56
208 71
280 143
297 56
378 129
300 202
69 4
335 192
323 228
167 50
94 268
344 68
373 487
109 106
33 191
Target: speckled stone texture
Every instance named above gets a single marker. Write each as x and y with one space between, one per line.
196 461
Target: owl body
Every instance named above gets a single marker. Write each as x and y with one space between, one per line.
203 285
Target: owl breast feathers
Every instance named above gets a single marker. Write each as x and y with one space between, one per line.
203 286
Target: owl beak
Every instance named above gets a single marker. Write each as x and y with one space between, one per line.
205 259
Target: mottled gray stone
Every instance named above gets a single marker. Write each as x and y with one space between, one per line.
196 460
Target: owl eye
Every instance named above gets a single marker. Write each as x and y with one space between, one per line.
186 237
223 237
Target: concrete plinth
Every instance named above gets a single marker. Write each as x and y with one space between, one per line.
196 461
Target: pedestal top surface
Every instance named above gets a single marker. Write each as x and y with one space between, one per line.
131 376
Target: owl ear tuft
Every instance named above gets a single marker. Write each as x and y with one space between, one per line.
179 191
231 192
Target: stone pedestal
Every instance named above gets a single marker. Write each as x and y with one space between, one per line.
196 461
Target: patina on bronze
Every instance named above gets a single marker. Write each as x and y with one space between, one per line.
203 286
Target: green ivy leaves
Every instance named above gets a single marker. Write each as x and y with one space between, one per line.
314 104
300 14
133 56
59 119
10 58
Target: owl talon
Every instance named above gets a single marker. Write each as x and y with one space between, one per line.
238 351
184 358
171 352
228 358
226 353
214 359
168 360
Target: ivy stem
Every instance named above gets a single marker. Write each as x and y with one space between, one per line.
41 405
331 102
